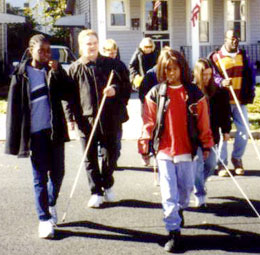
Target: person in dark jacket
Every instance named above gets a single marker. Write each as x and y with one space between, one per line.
147 83
242 79
90 74
36 126
143 59
220 120
110 49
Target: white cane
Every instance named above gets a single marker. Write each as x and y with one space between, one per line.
238 107
236 183
88 144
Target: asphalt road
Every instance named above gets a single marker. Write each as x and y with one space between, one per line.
133 224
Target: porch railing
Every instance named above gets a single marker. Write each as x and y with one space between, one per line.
253 50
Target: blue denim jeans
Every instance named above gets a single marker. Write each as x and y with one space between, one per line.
241 136
204 168
47 161
176 183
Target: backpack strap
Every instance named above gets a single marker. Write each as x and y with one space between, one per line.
162 106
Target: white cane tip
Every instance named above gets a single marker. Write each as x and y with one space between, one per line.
156 183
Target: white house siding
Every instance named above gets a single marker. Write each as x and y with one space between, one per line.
93 14
178 24
128 40
217 23
254 26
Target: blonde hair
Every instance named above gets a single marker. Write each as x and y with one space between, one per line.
110 44
147 41
83 34
201 65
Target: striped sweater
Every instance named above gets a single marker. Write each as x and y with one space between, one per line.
239 69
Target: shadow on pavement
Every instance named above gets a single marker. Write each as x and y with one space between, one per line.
122 234
233 241
132 203
251 173
134 168
235 207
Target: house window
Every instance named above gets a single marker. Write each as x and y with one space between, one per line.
156 15
236 17
204 22
118 13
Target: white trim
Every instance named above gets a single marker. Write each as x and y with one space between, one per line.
101 21
10 18
189 28
127 17
72 21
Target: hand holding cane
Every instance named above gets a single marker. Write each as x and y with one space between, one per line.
89 143
238 106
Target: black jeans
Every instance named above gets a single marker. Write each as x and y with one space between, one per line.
100 178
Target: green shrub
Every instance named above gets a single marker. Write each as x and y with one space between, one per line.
255 107
3 105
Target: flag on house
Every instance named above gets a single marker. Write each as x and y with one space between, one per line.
156 5
195 13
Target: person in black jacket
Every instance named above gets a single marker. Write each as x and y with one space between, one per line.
143 59
220 118
110 49
90 74
36 126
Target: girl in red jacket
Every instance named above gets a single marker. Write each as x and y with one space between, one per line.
176 120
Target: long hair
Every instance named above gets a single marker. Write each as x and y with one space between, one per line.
168 56
201 65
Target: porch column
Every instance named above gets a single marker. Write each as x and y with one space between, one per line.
101 21
195 34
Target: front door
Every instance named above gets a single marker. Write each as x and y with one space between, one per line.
156 22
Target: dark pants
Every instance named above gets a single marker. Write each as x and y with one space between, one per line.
100 179
48 170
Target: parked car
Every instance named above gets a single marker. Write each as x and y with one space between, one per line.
62 54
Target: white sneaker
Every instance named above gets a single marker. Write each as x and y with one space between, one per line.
199 201
46 229
109 195
95 201
53 213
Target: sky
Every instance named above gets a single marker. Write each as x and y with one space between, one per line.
16 3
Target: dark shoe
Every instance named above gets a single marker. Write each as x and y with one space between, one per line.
173 243
238 165
182 218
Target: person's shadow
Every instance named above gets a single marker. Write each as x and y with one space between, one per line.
219 237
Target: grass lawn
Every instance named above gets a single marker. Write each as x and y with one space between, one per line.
3 105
